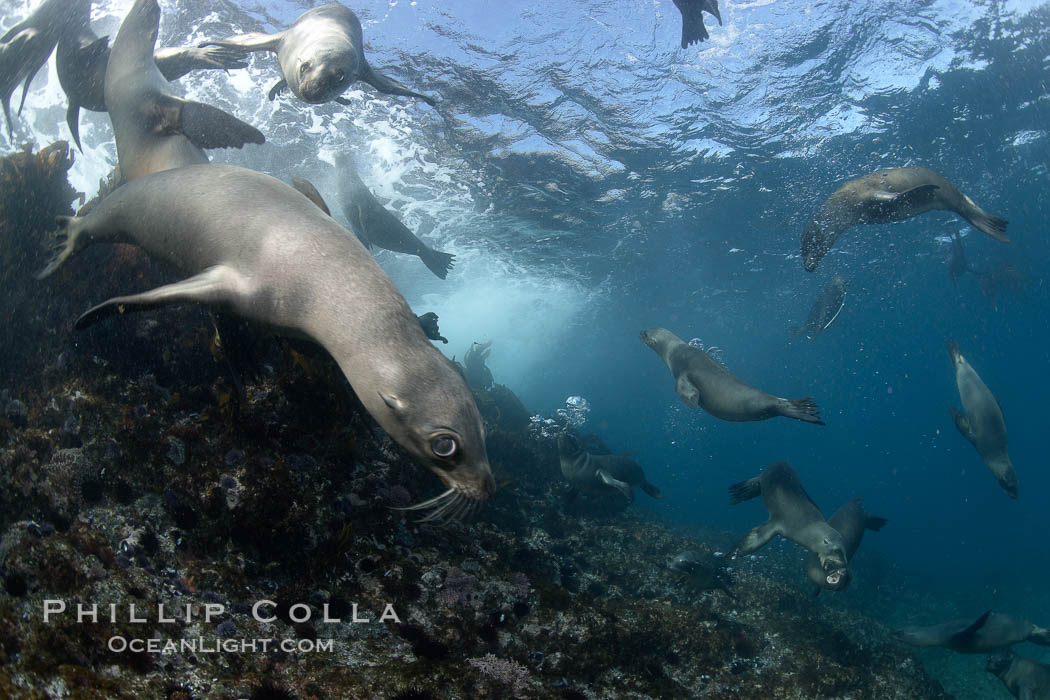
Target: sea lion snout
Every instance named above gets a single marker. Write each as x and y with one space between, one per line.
322 80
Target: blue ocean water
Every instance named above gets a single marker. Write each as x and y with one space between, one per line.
594 179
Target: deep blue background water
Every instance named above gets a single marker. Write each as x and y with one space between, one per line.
594 180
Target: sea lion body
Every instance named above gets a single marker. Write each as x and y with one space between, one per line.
254 245
887 196
825 309
851 521
1026 679
700 380
375 225
981 421
153 129
82 58
321 54
26 46
793 515
989 632
703 572
592 473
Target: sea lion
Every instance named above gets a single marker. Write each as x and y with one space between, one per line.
794 515
25 47
1026 679
429 323
82 57
825 309
700 380
155 130
376 226
956 261
851 521
475 371
886 196
592 473
321 54
252 244
982 423
693 29
988 632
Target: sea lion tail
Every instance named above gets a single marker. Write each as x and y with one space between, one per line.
744 490
438 262
650 489
986 223
801 409
67 241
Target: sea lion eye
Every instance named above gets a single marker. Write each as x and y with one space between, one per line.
340 76
303 67
443 446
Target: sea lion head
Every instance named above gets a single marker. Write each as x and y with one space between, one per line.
1000 663
435 418
817 239
832 553
657 337
322 76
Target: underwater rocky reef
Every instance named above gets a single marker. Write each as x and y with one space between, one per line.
228 485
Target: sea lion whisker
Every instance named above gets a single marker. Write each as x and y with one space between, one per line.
424 505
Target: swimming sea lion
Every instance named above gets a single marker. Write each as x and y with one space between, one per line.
825 309
794 515
376 226
700 380
886 196
82 58
982 423
321 54
155 130
596 473
27 46
1026 679
703 572
693 29
989 632
956 259
252 244
851 521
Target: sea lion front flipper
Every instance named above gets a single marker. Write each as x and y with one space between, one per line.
687 391
305 187
962 423
343 101
389 85
174 63
73 122
651 490
214 285
758 537
880 202
712 7
279 87
205 126
252 41
620 486
964 640
355 217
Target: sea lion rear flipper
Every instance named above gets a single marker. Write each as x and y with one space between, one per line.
205 126
73 122
252 41
962 422
758 537
620 486
214 285
745 490
801 409
873 522
279 87
687 391
693 29
389 85
437 262
307 188
965 640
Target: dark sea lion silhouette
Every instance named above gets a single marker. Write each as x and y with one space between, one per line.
825 309
693 29
988 632
25 47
